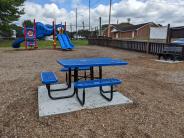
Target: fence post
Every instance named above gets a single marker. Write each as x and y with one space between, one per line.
169 33
147 47
183 51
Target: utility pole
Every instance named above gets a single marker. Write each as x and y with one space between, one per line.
76 25
96 31
168 39
100 26
83 25
91 32
89 15
109 18
70 27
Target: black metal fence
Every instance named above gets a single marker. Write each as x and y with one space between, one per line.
145 47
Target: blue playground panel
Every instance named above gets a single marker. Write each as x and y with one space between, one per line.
30 43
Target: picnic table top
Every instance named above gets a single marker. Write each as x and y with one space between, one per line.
90 62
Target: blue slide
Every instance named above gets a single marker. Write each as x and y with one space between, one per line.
16 43
47 30
65 42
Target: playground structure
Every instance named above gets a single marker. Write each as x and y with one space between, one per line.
30 36
39 31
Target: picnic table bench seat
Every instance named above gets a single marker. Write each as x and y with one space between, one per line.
96 83
72 69
48 78
64 69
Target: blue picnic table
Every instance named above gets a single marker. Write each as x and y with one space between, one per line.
88 62
75 64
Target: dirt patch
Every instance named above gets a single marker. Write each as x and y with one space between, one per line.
157 90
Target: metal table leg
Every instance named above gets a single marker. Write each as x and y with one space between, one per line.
76 79
68 86
100 77
111 94
70 77
92 73
68 81
76 90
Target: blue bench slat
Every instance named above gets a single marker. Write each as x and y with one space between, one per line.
81 68
48 77
97 83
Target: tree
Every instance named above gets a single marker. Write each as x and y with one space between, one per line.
28 23
84 33
10 11
18 29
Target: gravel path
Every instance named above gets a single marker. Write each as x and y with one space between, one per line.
157 90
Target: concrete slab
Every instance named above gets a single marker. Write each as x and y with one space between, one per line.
169 61
93 100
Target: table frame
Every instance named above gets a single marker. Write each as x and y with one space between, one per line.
76 78
102 92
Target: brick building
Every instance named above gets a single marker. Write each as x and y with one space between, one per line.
129 31
176 32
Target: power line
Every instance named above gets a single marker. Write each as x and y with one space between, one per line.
77 25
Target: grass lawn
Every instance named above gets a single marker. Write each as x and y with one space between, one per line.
80 42
42 43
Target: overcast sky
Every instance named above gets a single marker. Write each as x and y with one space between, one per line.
140 11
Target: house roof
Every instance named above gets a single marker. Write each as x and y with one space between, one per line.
124 27
177 28
118 27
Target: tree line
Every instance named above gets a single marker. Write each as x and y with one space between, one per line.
10 12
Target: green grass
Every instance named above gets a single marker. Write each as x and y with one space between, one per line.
5 43
80 42
42 43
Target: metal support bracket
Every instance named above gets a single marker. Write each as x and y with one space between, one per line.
61 97
111 93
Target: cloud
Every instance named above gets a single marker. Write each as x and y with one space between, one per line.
52 11
43 13
76 3
62 1
140 11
